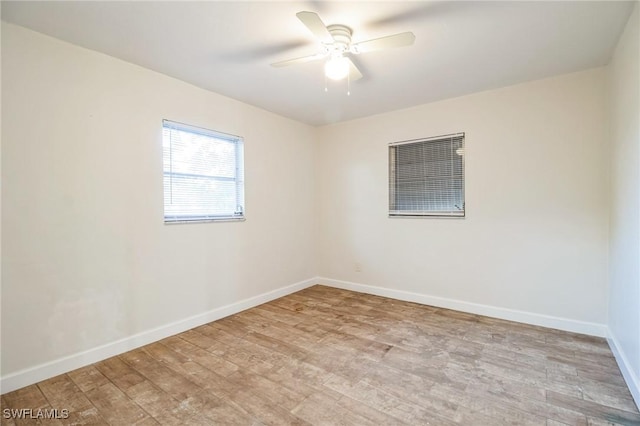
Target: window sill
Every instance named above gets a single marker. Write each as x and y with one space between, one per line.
427 216
183 222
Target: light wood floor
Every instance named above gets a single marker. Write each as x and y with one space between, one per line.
334 357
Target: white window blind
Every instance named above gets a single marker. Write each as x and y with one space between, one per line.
426 177
203 174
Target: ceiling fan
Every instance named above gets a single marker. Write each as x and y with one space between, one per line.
336 46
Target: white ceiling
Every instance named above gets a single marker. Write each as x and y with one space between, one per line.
461 47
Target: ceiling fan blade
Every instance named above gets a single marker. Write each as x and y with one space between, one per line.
354 72
397 40
301 60
312 21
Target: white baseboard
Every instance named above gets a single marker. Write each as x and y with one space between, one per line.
593 329
53 368
632 379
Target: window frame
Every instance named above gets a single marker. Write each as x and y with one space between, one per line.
238 178
393 185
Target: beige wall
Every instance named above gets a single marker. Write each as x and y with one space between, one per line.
624 296
86 257
535 235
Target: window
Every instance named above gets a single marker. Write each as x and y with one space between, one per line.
203 174
426 177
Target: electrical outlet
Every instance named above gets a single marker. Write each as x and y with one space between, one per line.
358 267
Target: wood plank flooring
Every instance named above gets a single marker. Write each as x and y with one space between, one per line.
325 356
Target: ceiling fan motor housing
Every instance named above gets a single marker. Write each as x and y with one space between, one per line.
342 38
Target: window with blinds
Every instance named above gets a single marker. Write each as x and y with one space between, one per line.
426 177
203 174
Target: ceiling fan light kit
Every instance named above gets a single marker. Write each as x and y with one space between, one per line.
336 45
337 68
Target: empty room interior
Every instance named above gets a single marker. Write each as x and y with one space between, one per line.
310 212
